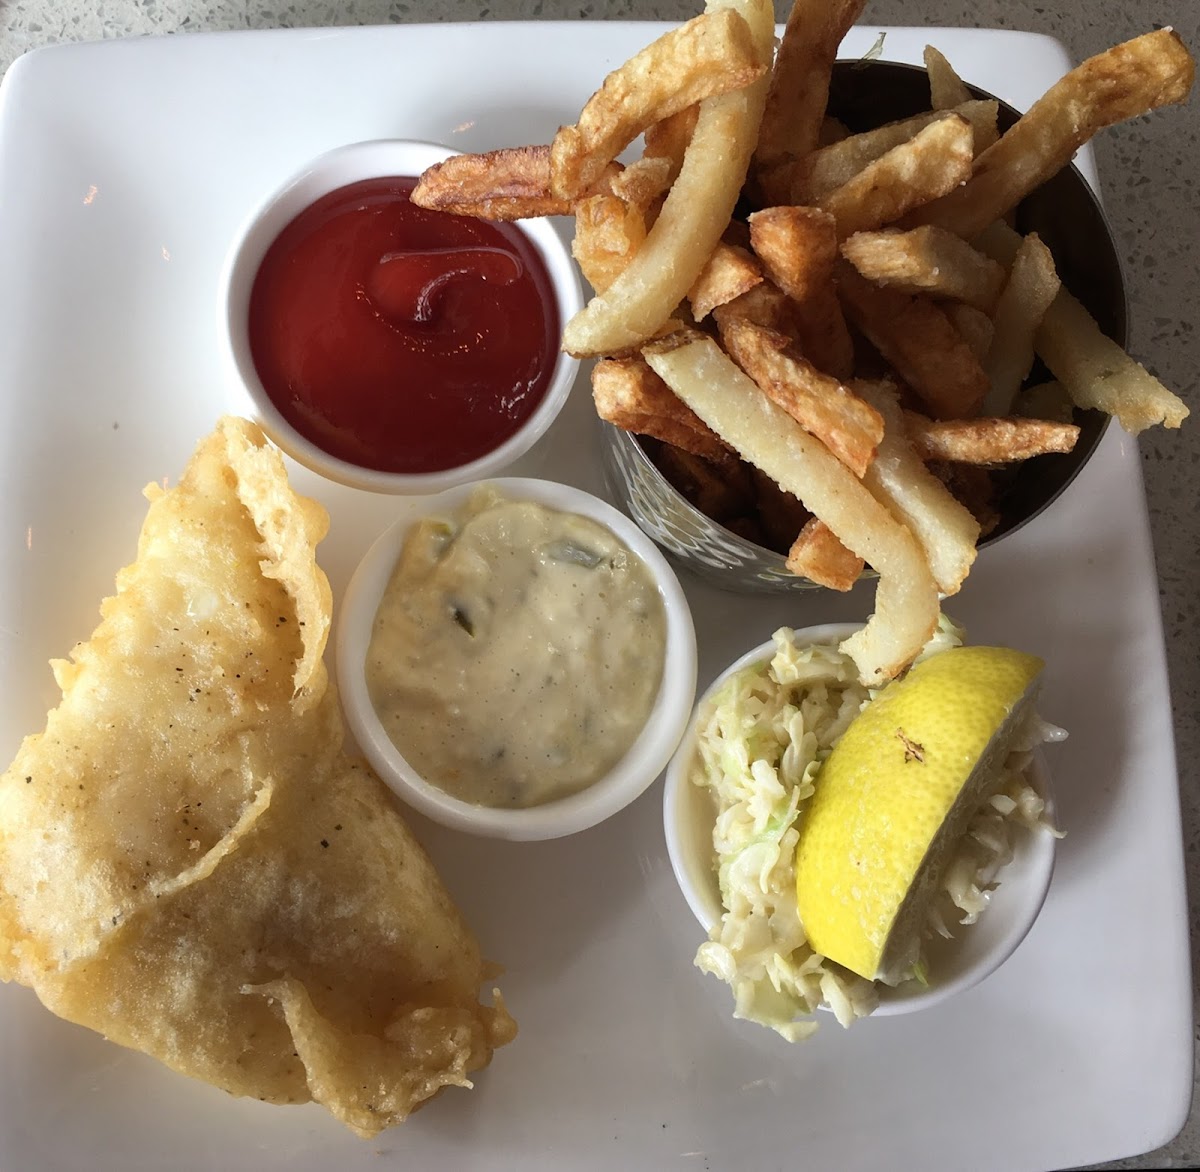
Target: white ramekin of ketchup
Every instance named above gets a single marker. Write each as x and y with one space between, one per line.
389 347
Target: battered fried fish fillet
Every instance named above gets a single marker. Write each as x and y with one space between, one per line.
189 862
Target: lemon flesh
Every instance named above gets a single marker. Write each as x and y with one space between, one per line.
895 796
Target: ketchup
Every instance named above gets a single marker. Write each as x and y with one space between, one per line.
398 338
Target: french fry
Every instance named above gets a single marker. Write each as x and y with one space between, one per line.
906 599
1125 81
1048 400
945 529
708 56
920 343
764 304
821 334
798 247
833 165
844 423
799 87
898 229
1096 372
608 234
987 440
975 326
819 556
946 88
508 184
927 260
669 138
935 161
730 272
831 131
631 396
643 182
972 486
693 217
1099 374
1033 284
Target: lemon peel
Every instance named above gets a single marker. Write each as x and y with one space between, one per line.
896 795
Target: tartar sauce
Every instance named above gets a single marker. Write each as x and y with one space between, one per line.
517 651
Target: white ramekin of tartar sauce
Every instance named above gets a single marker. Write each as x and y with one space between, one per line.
516 658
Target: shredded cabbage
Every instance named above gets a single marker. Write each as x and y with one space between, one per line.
760 743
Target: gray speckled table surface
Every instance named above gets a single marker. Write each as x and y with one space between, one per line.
1158 223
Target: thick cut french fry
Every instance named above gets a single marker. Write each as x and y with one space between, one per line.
898 230
821 334
608 234
975 326
832 130
1099 374
1032 286
1125 81
693 217
945 529
973 487
643 182
764 304
987 440
730 272
906 599
799 88
631 396
946 88
920 343
927 260
936 160
819 556
710 55
1096 372
663 428
824 407
669 138
508 184
1048 400
798 247
833 165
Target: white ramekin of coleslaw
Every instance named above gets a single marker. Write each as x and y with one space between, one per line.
735 797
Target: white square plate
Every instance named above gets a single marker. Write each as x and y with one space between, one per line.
125 170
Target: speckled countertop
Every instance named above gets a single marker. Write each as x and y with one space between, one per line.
1157 222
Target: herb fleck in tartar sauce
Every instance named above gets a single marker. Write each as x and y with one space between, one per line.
517 651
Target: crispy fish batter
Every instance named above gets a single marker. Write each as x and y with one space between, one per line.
191 865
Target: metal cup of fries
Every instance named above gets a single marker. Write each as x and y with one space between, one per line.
714 525
824 288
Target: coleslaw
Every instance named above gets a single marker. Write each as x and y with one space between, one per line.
761 743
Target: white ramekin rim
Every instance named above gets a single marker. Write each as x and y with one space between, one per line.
327 172
632 775
983 947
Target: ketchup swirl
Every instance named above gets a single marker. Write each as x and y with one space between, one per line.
398 338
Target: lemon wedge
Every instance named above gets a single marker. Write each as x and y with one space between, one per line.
895 795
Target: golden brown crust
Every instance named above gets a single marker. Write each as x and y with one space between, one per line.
189 863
